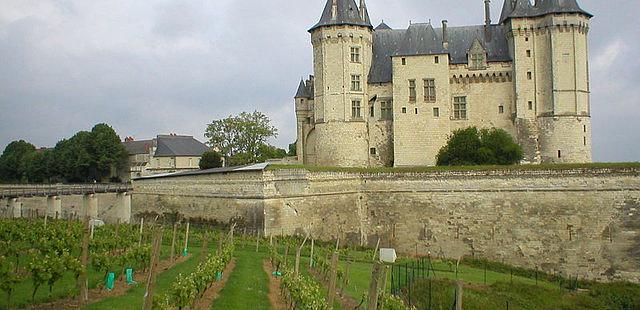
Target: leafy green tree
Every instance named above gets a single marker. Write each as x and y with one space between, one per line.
266 152
12 161
470 146
239 138
210 159
292 149
109 153
75 158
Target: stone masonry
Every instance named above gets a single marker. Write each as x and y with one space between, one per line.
582 222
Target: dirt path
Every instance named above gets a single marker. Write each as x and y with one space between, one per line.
276 299
99 293
213 291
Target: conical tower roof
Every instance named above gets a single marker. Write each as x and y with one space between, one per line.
302 92
524 8
347 13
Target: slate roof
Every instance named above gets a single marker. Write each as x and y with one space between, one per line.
524 8
303 91
348 14
172 145
138 147
423 39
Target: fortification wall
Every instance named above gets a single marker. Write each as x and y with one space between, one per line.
582 222
71 205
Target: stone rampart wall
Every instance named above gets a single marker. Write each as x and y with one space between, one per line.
582 222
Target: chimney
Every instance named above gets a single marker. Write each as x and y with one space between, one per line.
334 10
445 35
487 20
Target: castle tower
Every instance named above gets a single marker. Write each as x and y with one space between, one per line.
342 48
548 45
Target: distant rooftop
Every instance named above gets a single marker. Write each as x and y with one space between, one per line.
167 146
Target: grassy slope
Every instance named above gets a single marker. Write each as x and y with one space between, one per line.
134 296
247 287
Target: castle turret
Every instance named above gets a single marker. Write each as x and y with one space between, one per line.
342 48
548 45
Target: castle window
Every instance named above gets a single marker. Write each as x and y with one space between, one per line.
530 105
404 110
373 151
429 90
526 39
460 108
437 59
436 112
416 109
404 61
501 109
355 109
355 54
355 82
584 128
477 61
386 110
372 111
528 53
412 90
585 140
529 75
559 154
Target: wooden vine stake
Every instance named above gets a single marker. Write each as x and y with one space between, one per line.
147 303
205 247
311 256
141 225
173 240
83 280
332 280
257 241
186 238
373 288
459 295
296 269
376 250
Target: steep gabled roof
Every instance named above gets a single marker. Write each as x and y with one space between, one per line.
347 13
423 39
524 8
138 147
382 26
172 145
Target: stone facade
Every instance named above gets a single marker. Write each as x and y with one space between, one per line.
528 74
581 221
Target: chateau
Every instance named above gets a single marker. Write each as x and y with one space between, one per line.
391 97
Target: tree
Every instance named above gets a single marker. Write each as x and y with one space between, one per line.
109 153
75 158
40 166
243 134
293 149
210 159
266 152
471 146
12 161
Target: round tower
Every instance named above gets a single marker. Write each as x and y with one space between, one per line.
342 48
551 70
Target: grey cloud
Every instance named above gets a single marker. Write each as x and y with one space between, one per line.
152 66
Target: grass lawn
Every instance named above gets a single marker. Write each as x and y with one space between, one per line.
248 286
134 296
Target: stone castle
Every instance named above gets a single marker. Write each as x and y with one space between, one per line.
391 97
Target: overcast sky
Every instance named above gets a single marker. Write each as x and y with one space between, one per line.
148 67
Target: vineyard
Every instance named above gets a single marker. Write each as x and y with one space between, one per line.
60 264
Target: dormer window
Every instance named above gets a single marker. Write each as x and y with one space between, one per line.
477 56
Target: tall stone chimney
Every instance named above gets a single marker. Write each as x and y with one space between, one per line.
363 9
445 35
487 20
